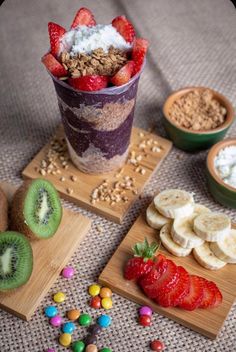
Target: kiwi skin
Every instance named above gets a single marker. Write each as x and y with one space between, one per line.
18 222
3 211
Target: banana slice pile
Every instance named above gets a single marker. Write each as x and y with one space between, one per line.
186 226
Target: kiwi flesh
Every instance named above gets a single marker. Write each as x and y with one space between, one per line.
3 211
16 260
36 209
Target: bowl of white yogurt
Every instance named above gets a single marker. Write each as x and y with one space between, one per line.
221 172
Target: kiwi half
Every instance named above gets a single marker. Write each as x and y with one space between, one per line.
16 260
3 211
36 209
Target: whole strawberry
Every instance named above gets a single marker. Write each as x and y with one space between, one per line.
143 260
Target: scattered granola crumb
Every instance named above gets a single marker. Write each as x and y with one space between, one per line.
62 179
69 190
74 178
99 228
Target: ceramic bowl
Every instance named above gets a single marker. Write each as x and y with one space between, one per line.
188 140
221 192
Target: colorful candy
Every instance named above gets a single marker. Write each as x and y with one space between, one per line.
107 303
50 311
90 340
78 346
105 349
68 272
91 348
50 350
56 321
105 292
145 310
95 329
157 345
68 328
65 340
85 319
104 321
94 290
73 314
95 302
145 320
59 297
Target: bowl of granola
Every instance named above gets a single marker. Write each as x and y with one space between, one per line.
196 118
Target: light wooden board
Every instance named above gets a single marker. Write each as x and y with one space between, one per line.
205 321
86 183
50 257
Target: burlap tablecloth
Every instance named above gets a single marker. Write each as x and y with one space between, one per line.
192 43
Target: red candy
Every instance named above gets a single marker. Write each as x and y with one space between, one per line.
95 302
145 320
157 345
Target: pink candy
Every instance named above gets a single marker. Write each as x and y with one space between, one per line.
68 272
145 310
50 350
56 321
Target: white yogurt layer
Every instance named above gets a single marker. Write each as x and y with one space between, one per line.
84 39
225 165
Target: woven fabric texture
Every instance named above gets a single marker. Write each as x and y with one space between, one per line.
192 43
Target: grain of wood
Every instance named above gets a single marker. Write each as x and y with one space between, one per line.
50 257
85 183
207 322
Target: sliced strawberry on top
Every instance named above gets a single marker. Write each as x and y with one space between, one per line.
195 295
142 262
168 278
209 297
139 51
83 17
56 32
54 66
123 75
124 27
89 83
177 294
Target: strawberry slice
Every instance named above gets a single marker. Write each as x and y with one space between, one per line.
54 66
158 268
177 294
209 296
56 32
124 27
89 83
167 277
123 75
139 51
218 297
142 262
195 295
83 17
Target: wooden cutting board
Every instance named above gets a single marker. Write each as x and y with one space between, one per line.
50 257
205 321
85 184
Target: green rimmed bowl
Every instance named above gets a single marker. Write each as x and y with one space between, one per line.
221 192
189 140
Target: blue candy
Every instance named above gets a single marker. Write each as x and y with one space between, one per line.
68 328
50 311
104 321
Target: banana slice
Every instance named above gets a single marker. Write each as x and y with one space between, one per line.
212 227
199 208
206 258
183 234
225 249
155 219
174 203
170 245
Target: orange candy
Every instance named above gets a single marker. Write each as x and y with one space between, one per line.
105 292
73 314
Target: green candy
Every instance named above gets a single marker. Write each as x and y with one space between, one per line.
85 320
105 349
78 346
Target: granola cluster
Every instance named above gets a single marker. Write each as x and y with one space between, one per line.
97 63
198 110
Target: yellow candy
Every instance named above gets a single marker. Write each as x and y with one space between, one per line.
59 297
107 303
65 340
94 290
